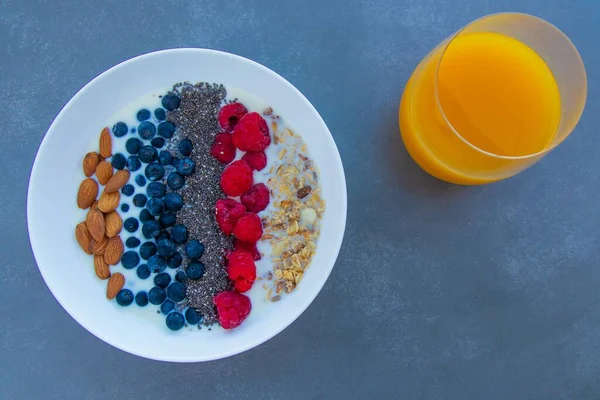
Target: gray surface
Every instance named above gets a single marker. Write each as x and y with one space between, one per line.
486 292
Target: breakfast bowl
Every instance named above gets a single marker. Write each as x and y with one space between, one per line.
55 193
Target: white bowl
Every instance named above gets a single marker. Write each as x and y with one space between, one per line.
52 212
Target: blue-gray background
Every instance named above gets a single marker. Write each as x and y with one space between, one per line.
440 292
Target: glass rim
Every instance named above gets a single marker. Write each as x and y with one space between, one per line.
476 148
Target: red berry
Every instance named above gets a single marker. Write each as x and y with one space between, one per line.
248 228
232 308
256 160
251 133
241 270
230 115
227 213
222 148
257 198
237 178
249 247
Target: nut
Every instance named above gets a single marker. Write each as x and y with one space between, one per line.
105 143
83 237
302 193
109 201
94 221
104 171
308 216
88 191
90 161
114 250
101 268
117 181
115 284
98 247
113 223
94 205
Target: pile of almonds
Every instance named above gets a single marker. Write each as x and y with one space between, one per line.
98 235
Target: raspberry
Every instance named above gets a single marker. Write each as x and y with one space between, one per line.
256 160
227 213
251 133
249 247
222 148
237 178
257 198
230 115
241 270
232 308
248 228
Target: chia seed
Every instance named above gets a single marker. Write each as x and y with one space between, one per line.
196 119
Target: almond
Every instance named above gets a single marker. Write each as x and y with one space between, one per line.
117 181
90 161
104 171
113 223
105 143
94 221
83 237
114 250
115 284
109 201
88 191
98 247
101 268
94 205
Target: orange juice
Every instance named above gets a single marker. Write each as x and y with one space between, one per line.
465 115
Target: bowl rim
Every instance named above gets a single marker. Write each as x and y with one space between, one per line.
309 294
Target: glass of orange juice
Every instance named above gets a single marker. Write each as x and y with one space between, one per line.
492 99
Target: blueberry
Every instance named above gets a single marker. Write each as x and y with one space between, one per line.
166 129
180 276
173 202
176 291
157 263
130 259
147 250
145 216
156 190
154 171
124 207
162 280
179 234
195 270
186 166
118 161
150 229
131 224
146 130
175 261
194 249
185 147
147 154
124 297
157 142
140 180
167 307
141 299
157 295
133 145
143 272
132 242
175 181
139 200
165 248
165 158
160 114
170 102
192 316
167 220
162 235
127 190
143 115
133 163
175 321
155 206
120 129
